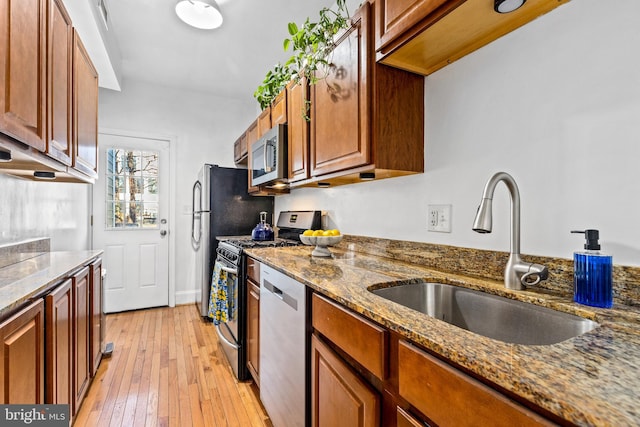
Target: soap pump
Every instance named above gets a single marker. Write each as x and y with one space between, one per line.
592 273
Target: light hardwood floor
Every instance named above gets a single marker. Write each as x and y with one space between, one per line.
167 370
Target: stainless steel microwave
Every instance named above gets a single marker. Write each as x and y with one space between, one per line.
269 157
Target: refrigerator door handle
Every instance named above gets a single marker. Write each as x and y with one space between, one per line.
195 241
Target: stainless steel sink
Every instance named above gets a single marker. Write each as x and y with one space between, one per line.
488 315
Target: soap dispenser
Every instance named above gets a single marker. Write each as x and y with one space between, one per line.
592 273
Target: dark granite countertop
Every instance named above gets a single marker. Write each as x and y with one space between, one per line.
592 379
25 279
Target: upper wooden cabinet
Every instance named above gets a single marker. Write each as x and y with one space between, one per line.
240 149
59 75
23 71
279 109
423 36
264 121
298 130
85 111
365 117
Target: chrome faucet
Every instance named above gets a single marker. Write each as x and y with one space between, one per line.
517 273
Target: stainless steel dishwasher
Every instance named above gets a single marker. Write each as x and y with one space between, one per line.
282 348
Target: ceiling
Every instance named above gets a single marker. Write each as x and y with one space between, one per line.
231 61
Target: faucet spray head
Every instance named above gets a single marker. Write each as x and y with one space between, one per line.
483 222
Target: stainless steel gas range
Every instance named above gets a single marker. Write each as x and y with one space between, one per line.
231 259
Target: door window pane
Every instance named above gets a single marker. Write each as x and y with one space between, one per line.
132 189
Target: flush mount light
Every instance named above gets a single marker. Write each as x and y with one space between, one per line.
44 175
203 14
5 155
367 176
506 6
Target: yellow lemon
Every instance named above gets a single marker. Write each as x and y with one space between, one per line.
326 233
334 232
317 233
307 233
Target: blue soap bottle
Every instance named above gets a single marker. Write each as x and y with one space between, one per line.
592 273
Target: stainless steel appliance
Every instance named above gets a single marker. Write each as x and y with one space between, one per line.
221 206
282 348
232 335
269 157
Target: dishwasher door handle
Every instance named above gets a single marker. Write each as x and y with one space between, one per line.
278 293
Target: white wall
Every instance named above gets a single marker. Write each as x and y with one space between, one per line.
204 128
31 209
557 105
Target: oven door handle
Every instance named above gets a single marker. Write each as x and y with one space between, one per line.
225 340
229 270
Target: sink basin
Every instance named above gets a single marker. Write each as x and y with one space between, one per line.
492 316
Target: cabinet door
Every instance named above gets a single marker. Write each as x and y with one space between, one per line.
341 105
59 330
339 397
264 121
95 330
298 130
252 136
23 71
240 149
445 394
59 72
279 109
253 330
396 17
85 111
80 289
22 356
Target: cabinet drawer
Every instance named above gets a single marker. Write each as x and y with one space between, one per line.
451 398
361 339
253 270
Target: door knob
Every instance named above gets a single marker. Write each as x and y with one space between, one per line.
163 233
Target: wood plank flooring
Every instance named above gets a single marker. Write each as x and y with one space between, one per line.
167 370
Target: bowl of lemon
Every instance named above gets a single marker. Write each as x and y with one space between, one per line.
321 239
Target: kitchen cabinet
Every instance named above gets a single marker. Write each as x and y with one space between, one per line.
279 109
23 73
81 326
240 150
264 121
95 316
423 36
444 394
85 111
59 349
339 397
59 76
298 130
365 117
253 319
358 365
22 356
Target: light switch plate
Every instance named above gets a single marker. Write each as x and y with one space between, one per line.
439 218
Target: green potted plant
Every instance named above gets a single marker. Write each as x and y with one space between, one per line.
311 43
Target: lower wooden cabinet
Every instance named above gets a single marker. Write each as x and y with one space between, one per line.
22 356
339 397
59 351
81 326
95 330
253 330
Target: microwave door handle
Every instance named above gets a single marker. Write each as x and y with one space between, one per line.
264 155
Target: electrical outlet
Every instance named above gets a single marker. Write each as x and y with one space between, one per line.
439 218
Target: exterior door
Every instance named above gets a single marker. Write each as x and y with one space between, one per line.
131 220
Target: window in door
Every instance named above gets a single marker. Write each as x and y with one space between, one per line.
132 189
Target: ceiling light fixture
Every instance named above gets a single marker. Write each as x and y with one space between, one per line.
203 14
506 6
5 155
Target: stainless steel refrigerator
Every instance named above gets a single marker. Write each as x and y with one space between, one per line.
221 206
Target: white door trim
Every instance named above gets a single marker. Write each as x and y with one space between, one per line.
172 140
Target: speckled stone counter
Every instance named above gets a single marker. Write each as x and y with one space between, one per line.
593 379
23 280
